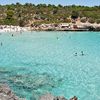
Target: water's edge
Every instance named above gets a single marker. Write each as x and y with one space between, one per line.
6 93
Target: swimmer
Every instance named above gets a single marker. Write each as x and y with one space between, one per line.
12 35
82 53
76 54
1 43
69 36
57 38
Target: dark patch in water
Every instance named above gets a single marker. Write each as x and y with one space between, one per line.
28 82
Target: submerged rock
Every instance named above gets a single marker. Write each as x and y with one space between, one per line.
60 98
33 82
51 97
7 94
47 97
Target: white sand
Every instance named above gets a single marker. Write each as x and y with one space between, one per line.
7 28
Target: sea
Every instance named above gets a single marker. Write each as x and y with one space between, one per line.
58 62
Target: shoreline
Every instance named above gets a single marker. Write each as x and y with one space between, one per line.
67 27
52 27
11 28
6 93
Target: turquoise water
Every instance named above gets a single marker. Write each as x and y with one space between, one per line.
35 63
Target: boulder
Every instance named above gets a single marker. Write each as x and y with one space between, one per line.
74 98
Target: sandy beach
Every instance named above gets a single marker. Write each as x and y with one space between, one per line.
53 27
7 28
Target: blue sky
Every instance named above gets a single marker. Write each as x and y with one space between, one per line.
63 2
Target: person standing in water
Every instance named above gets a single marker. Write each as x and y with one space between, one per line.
82 53
76 54
57 38
12 35
1 44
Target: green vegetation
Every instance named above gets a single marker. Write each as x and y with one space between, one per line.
27 14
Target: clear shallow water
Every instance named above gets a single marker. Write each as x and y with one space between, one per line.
40 62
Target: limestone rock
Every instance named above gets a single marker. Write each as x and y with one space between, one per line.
47 97
74 98
7 94
51 97
60 98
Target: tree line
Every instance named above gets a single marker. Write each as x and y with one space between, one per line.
28 13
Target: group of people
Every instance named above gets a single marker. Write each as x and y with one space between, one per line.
82 53
2 43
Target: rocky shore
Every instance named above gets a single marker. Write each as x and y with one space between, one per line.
66 27
7 94
51 97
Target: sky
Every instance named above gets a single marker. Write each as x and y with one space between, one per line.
56 2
